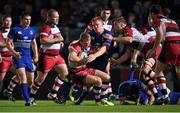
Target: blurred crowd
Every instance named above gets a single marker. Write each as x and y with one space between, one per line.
77 13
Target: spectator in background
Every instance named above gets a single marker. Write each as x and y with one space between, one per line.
131 19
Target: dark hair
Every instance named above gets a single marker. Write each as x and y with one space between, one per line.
5 16
156 8
105 8
24 14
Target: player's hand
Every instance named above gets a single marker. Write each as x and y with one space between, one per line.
83 61
122 100
91 58
113 61
89 28
151 100
107 36
17 55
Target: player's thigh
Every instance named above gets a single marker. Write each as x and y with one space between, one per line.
22 74
61 69
92 80
104 76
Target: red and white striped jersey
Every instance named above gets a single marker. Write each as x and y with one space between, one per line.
3 37
170 28
50 31
82 53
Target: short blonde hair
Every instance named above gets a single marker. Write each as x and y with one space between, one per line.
84 35
120 19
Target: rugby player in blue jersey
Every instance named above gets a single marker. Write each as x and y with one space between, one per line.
23 37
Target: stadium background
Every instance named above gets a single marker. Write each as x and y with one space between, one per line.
74 16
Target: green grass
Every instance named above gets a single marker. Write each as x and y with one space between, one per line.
87 106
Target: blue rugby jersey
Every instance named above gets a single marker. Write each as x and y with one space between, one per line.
98 40
125 91
22 39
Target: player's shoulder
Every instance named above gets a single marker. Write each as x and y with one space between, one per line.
75 45
107 32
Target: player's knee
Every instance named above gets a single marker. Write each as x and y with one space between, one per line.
98 81
30 83
107 78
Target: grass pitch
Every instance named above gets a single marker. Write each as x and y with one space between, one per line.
87 106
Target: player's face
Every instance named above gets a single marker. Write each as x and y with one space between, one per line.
85 43
105 14
7 22
25 21
98 26
118 25
54 19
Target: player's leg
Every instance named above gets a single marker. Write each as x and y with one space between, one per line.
89 81
24 86
160 68
62 71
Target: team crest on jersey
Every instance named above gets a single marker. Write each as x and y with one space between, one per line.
31 32
25 37
19 32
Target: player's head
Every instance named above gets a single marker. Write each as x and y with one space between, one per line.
7 21
85 40
25 19
155 10
53 16
105 14
97 24
119 23
133 88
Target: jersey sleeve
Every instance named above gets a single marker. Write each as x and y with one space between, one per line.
74 47
45 31
108 42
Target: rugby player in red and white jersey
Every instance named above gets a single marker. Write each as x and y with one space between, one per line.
6 57
78 54
50 39
167 32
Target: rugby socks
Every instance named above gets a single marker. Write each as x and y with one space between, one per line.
97 92
105 86
109 90
24 88
152 87
57 85
34 89
162 85
12 85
